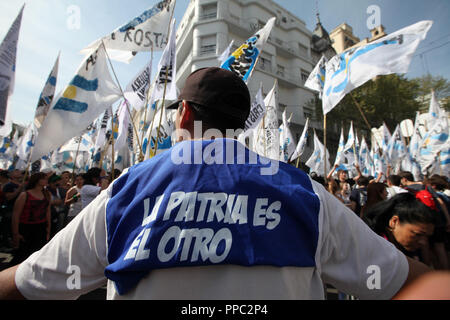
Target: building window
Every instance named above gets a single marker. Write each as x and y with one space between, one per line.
209 11
304 75
280 71
265 62
303 50
307 113
208 45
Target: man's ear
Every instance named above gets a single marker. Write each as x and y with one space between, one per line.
187 116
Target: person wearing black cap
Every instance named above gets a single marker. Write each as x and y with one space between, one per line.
203 220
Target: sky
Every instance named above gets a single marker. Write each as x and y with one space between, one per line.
48 28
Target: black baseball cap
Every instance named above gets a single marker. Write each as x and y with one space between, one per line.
219 90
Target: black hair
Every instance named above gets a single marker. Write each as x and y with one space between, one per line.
216 119
394 179
407 175
34 179
91 174
363 181
404 205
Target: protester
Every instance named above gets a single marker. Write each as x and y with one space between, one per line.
31 218
58 208
342 175
169 228
11 191
358 196
393 182
404 221
344 193
73 198
91 187
442 225
333 188
376 192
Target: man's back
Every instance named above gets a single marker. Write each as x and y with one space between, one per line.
166 230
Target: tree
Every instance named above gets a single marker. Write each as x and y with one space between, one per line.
440 85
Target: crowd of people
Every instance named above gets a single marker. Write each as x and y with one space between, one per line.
279 236
34 207
413 215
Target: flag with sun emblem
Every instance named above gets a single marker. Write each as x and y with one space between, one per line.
90 92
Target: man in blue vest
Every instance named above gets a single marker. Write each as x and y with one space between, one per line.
210 219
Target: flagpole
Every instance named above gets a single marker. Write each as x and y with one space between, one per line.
160 117
141 154
164 92
325 145
75 161
123 95
112 144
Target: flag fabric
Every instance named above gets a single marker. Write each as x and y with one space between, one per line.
46 97
349 148
89 93
243 60
165 133
316 79
25 143
122 131
365 162
411 161
318 159
267 138
340 158
434 112
166 75
396 147
433 143
302 142
287 144
352 68
226 53
385 138
145 32
137 89
257 111
8 52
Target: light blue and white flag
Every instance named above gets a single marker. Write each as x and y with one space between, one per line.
243 60
287 144
352 68
226 53
26 142
349 148
46 97
8 52
433 143
165 85
318 159
340 159
316 79
396 147
365 162
302 142
89 93
145 32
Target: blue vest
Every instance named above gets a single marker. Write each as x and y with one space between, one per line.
200 210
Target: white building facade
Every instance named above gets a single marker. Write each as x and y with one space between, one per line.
207 28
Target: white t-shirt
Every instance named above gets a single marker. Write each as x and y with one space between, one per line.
277 236
349 256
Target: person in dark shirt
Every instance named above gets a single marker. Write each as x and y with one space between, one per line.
358 197
402 220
